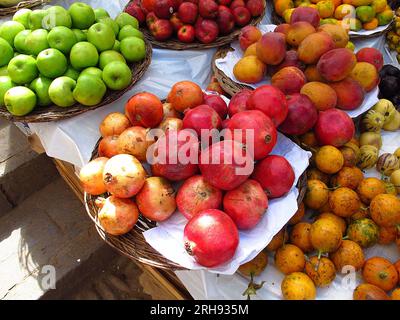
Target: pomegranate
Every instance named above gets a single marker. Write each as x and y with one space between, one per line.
114 124
123 176
91 176
171 124
334 127
301 117
175 155
261 126
211 237
108 146
238 102
144 109
201 118
156 199
246 204
271 101
275 175
226 164
217 103
196 195
117 216
134 141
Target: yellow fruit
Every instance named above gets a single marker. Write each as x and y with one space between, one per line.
379 5
282 5
350 45
287 14
373 24
385 17
317 194
298 286
249 70
345 11
329 159
358 3
325 8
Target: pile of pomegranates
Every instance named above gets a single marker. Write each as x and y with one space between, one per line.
224 165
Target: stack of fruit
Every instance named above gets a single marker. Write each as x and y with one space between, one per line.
58 56
193 19
352 14
228 194
350 213
393 36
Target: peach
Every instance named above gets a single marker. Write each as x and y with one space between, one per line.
336 64
282 28
308 14
251 50
289 79
271 48
372 56
314 46
337 32
249 70
350 94
366 75
297 32
312 74
321 94
248 36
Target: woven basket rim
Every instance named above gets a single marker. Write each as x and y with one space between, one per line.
133 244
5 11
55 113
175 44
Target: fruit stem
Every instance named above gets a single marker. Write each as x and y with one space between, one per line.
252 287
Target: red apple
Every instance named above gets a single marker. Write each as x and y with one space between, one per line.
188 12
177 3
135 11
150 19
256 7
163 8
242 16
206 30
148 5
237 3
224 2
193 1
225 20
208 9
186 33
176 22
162 29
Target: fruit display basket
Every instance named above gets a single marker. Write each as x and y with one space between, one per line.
133 244
55 113
6 11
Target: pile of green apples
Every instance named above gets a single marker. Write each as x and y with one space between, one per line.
60 57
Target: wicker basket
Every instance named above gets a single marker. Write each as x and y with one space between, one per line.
133 244
6 11
175 44
55 113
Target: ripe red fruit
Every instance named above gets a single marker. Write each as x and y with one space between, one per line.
162 29
196 195
108 146
150 19
145 110
188 12
265 134
372 56
242 16
208 9
307 14
334 127
206 30
238 102
217 103
176 5
164 8
256 7
148 5
301 117
224 2
201 118
271 101
176 22
225 164
214 248
186 33
275 175
246 204
225 20
136 11
237 3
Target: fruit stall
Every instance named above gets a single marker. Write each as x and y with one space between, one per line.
297 100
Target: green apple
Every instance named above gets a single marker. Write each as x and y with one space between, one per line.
101 36
6 52
22 16
5 85
19 41
117 46
124 19
110 22
61 38
61 91
109 56
93 71
41 87
3 71
36 41
129 31
56 16
82 15
100 13
9 29
89 90
35 19
72 73
22 69
51 63
133 49
117 75
80 35
19 101
83 55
